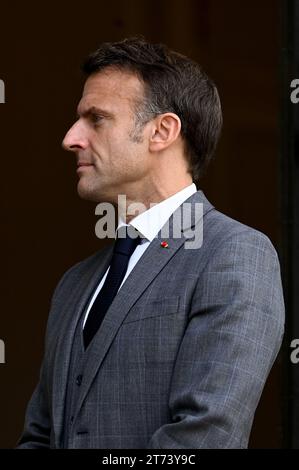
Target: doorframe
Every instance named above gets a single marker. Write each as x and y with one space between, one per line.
289 182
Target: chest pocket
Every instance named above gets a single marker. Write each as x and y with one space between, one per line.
163 306
150 337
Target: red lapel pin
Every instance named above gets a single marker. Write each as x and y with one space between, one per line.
164 244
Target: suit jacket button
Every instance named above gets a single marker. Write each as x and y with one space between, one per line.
79 380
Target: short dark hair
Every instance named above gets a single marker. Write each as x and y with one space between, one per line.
172 83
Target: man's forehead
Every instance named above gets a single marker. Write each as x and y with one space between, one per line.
110 87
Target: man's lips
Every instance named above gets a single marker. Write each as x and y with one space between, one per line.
81 166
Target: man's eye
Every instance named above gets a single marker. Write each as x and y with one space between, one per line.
96 118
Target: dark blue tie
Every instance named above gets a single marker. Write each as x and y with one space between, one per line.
126 242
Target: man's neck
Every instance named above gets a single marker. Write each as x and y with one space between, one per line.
128 208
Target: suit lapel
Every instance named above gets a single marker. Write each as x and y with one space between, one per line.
137 282
73 310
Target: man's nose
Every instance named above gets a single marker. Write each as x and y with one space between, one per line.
74 139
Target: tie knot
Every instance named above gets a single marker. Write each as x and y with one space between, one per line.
127 239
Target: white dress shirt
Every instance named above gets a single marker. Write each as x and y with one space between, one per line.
148 223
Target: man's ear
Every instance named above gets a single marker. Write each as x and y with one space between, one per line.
165 130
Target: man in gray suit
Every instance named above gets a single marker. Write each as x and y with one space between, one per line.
186 342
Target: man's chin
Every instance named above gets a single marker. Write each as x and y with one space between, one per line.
87 193
97 194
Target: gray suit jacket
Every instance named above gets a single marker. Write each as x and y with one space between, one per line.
184 350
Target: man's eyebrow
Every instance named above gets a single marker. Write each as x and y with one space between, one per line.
93 110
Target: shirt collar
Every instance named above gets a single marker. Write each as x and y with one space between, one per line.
150 222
